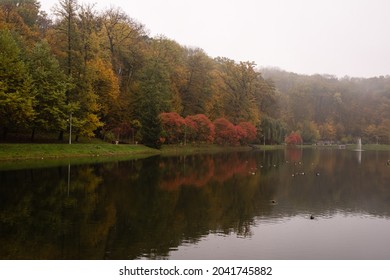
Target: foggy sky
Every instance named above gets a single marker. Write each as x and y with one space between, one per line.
338 37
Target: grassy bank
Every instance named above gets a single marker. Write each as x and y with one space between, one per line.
52 151
13 152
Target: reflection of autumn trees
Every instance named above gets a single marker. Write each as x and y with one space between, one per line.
123 209
200 170
293 154
186 171
334 181
42 217
144 208
176 199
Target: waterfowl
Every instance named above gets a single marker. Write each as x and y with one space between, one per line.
311 217
273 201
318 174
388 163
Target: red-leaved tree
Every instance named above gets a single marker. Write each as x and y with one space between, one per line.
173 127
249 134
200 129
226 132
293 139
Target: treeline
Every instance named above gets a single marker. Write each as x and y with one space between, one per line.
323 107
102 73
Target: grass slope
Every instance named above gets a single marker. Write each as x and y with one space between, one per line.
39 151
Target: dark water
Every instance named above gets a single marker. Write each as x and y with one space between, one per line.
226 206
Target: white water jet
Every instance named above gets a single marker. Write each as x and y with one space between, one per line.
359 145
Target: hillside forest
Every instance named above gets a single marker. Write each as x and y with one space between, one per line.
103 75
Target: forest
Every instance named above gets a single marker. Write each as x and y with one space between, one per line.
103 75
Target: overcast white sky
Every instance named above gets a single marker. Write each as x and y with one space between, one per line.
339 37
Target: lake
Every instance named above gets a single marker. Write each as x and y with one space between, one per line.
284 204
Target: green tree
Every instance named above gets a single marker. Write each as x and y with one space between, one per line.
310 133
50 85
273 131
151 100
16 92
78 26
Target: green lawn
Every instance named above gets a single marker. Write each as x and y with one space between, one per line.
10 152
376 147
45 151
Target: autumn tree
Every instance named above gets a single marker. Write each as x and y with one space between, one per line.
105 84
294 138
197 91
328 131
310 133
225 132
173 127
200 129
77 25
123 37
21 16
242 89
248 134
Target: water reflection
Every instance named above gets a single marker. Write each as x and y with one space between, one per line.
160 207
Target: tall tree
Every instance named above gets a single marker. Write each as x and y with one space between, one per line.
123 37
196 93
67 25
50 85
242 88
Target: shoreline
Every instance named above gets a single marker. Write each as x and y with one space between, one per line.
24 152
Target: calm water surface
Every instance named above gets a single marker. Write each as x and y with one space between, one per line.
252 205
